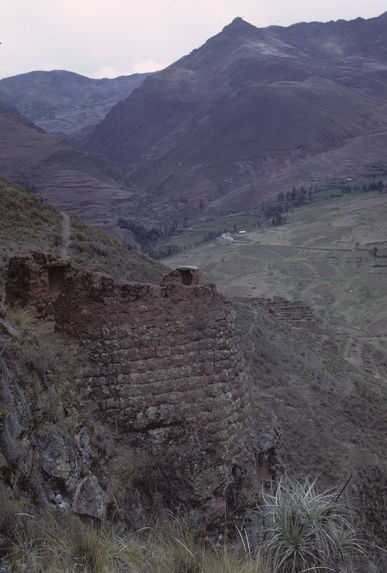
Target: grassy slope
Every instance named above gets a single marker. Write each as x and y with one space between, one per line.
321 255
332 413
28 223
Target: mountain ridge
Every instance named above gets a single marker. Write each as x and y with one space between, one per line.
251 113
74 180
247 105
64 101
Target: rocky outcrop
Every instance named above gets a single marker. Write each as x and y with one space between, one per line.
161 379
44 453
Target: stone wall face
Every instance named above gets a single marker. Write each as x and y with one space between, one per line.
33 280
294 313
165 369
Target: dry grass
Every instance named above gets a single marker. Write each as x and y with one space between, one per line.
29 223
64 543
304 531
21 318
93 249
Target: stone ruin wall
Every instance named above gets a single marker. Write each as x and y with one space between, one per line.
34 280
165 367
294 313
162 372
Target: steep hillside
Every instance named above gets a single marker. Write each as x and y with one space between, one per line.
250 110
29 223
61 101
85 184
332 413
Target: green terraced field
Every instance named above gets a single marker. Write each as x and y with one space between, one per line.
322 255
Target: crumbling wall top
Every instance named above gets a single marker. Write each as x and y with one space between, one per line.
34 279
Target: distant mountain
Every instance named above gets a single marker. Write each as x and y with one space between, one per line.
90 186
252 112
61 101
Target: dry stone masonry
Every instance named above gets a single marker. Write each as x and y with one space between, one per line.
162 373
294 313
166 371
34 280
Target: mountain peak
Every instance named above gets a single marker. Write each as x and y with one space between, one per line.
237 21
239 25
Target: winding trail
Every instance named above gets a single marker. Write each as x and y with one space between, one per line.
65 235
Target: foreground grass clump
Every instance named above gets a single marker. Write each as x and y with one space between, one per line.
303 531
307 530
174 547
75 545
65 543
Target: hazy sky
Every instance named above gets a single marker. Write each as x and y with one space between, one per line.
107 38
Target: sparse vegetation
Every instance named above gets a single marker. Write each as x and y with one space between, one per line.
307 530
71 544
29 223
10 508
93 249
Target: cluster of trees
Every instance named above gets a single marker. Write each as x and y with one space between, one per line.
296 195
380 186
146 237
299 195
274 212
211 235
163 252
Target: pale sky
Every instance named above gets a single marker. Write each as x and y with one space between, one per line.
108 38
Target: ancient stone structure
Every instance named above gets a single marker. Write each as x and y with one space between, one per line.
166 371
294 313
162 373
34 280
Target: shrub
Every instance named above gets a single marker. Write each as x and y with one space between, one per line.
25 553
306 530
21 318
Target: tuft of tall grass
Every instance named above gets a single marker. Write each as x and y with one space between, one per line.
21 318
9 522
173 547
72 544
306 530
25 554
